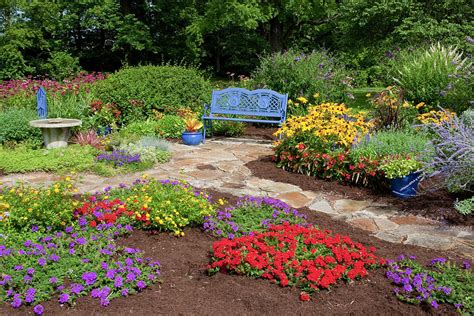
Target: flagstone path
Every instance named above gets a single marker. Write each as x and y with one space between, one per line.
220 165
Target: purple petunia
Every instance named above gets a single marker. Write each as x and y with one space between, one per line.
141 285
77 288
124 292
118 282
54 257
438 260
53 280
38 309
16 302
89 277
30 295
64 298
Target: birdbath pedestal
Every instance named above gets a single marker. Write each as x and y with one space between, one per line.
55 131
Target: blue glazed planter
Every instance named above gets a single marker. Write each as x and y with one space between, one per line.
405 187
192 138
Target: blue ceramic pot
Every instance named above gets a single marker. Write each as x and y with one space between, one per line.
405 187
192 138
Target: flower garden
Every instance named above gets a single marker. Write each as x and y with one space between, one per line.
234 237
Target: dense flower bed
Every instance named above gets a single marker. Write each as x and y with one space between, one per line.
306 257
442 282
75 262
29 86
251 214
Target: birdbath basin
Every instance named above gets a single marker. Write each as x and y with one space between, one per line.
55 131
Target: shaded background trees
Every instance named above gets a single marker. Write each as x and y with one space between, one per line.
54 37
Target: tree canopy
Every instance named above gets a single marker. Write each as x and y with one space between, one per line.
42 36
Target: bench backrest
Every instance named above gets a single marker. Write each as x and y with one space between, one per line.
239 101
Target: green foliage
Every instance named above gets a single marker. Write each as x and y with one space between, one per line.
143 128
398 167
154 142
227 128
12 63
42 207
15 127
69 105
61 65
465 207
22 159
170 205
137 91
443 282
148 154
392 142
299 74
437 76
170 126
76 251
252 214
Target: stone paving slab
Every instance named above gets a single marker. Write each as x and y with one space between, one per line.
219 164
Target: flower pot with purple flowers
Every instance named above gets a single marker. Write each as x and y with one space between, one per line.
192 135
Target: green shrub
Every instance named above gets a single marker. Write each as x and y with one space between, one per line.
14 126
437 76
12 63
170 126
139 90
392 142
227 128
302 75
61 65
143 128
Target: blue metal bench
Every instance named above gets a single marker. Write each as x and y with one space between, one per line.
249 106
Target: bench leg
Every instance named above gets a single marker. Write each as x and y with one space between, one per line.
204 132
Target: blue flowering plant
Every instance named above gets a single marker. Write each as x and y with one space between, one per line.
441 282
251 214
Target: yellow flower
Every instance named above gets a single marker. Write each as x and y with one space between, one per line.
316 95
368 95
302 100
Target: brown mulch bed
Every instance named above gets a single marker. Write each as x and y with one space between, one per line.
187 289
436 204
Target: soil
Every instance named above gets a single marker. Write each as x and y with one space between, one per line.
436 204
186 289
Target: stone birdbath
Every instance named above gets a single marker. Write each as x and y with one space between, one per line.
55 130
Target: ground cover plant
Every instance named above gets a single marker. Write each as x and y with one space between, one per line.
292 255
70 263
250 215
76 158
441 282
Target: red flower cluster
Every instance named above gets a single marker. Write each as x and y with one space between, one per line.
337 166
103 211
293 255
